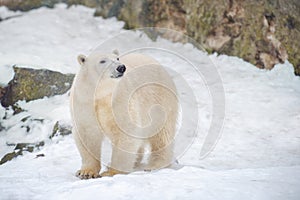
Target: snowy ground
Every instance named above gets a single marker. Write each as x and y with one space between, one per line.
257 156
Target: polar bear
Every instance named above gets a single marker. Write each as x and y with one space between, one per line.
129 99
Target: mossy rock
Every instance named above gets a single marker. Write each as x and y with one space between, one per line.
19 149
31 84
201 18
242 21
25 5
10 156
29 146
60 129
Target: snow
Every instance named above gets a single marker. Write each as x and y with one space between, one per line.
5 13
256 157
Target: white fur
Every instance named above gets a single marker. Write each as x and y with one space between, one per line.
133 111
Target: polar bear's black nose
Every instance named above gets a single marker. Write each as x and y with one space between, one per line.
121 68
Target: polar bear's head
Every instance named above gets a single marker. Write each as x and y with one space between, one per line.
99 64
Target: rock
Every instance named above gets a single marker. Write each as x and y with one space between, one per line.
231 27
1 127
10 156
40 155
29 146
2 92
60 129
19 149
17 109
25 5
31 84
1 95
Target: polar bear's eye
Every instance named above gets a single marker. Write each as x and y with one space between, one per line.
102 61
118 59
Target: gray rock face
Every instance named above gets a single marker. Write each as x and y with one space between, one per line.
30 84
2 91
25 5
264 32
60 129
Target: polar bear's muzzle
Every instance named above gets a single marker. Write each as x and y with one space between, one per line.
119 71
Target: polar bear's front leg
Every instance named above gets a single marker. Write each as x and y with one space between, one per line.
91 166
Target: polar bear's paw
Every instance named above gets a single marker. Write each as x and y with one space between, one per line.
87 174
111 172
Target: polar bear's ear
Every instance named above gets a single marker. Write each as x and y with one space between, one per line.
116 52
81 59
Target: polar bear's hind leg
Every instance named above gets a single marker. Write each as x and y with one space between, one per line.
161 155
124 157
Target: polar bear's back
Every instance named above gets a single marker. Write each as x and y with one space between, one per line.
147 84
136 60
